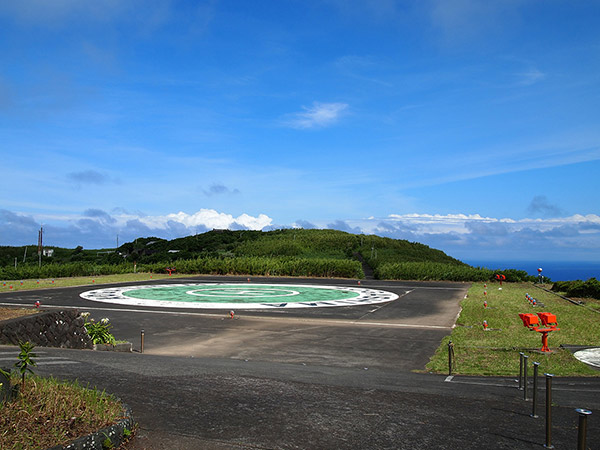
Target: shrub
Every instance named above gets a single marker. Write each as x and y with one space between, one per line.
579 288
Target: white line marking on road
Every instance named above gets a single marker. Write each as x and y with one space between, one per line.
418 287
398 325
49 363
12 353
554 386
43 358
278 318
382 306
449 378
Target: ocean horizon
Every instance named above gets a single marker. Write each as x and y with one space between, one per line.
555 270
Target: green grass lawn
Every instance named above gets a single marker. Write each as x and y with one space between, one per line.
496 352
5 286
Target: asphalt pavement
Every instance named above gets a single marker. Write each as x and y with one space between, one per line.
344 378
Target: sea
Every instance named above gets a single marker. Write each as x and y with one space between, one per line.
555 270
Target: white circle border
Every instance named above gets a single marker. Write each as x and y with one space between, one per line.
197 293
589 356
116 295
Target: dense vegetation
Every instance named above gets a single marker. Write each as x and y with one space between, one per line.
579 288
445 271
287 252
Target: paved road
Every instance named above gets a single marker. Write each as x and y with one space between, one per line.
316 378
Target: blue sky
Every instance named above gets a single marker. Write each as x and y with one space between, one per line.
469 126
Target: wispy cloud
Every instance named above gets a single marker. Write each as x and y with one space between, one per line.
343 226
318 115
88 177
220 189
540 205
468 21
300 223
530 77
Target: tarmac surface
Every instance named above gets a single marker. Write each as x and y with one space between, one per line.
319 378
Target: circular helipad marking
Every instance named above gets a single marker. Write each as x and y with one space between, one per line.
589 356
242 292
239 296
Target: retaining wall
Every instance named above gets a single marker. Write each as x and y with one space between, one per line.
63 329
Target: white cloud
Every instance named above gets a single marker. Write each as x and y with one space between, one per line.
461 223
318 115
530 77
95 228
473 236
207 218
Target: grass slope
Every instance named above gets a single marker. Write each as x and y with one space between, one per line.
496 352
47 413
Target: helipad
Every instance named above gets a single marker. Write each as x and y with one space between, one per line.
589 356
239 296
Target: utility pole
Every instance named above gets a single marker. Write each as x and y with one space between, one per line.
117 243
40 246
25 254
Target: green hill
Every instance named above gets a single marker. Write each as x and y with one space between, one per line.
286 252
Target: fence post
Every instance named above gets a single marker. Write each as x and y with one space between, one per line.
521 354
548 443
525 361
536 366
450 356
582 432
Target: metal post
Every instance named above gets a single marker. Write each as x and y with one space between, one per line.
581 434
142 342
536 366
450 355
521 354
525 361
548 443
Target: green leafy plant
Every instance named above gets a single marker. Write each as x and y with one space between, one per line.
25 362
107 443
99 331
5 373
8 391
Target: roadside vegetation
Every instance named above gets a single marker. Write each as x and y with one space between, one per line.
38 413
496 351
578 288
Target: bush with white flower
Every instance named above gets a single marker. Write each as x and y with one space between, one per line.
99 331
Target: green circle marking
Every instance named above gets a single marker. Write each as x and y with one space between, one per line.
240 294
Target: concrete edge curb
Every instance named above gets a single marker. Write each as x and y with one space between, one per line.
125 347
95 440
